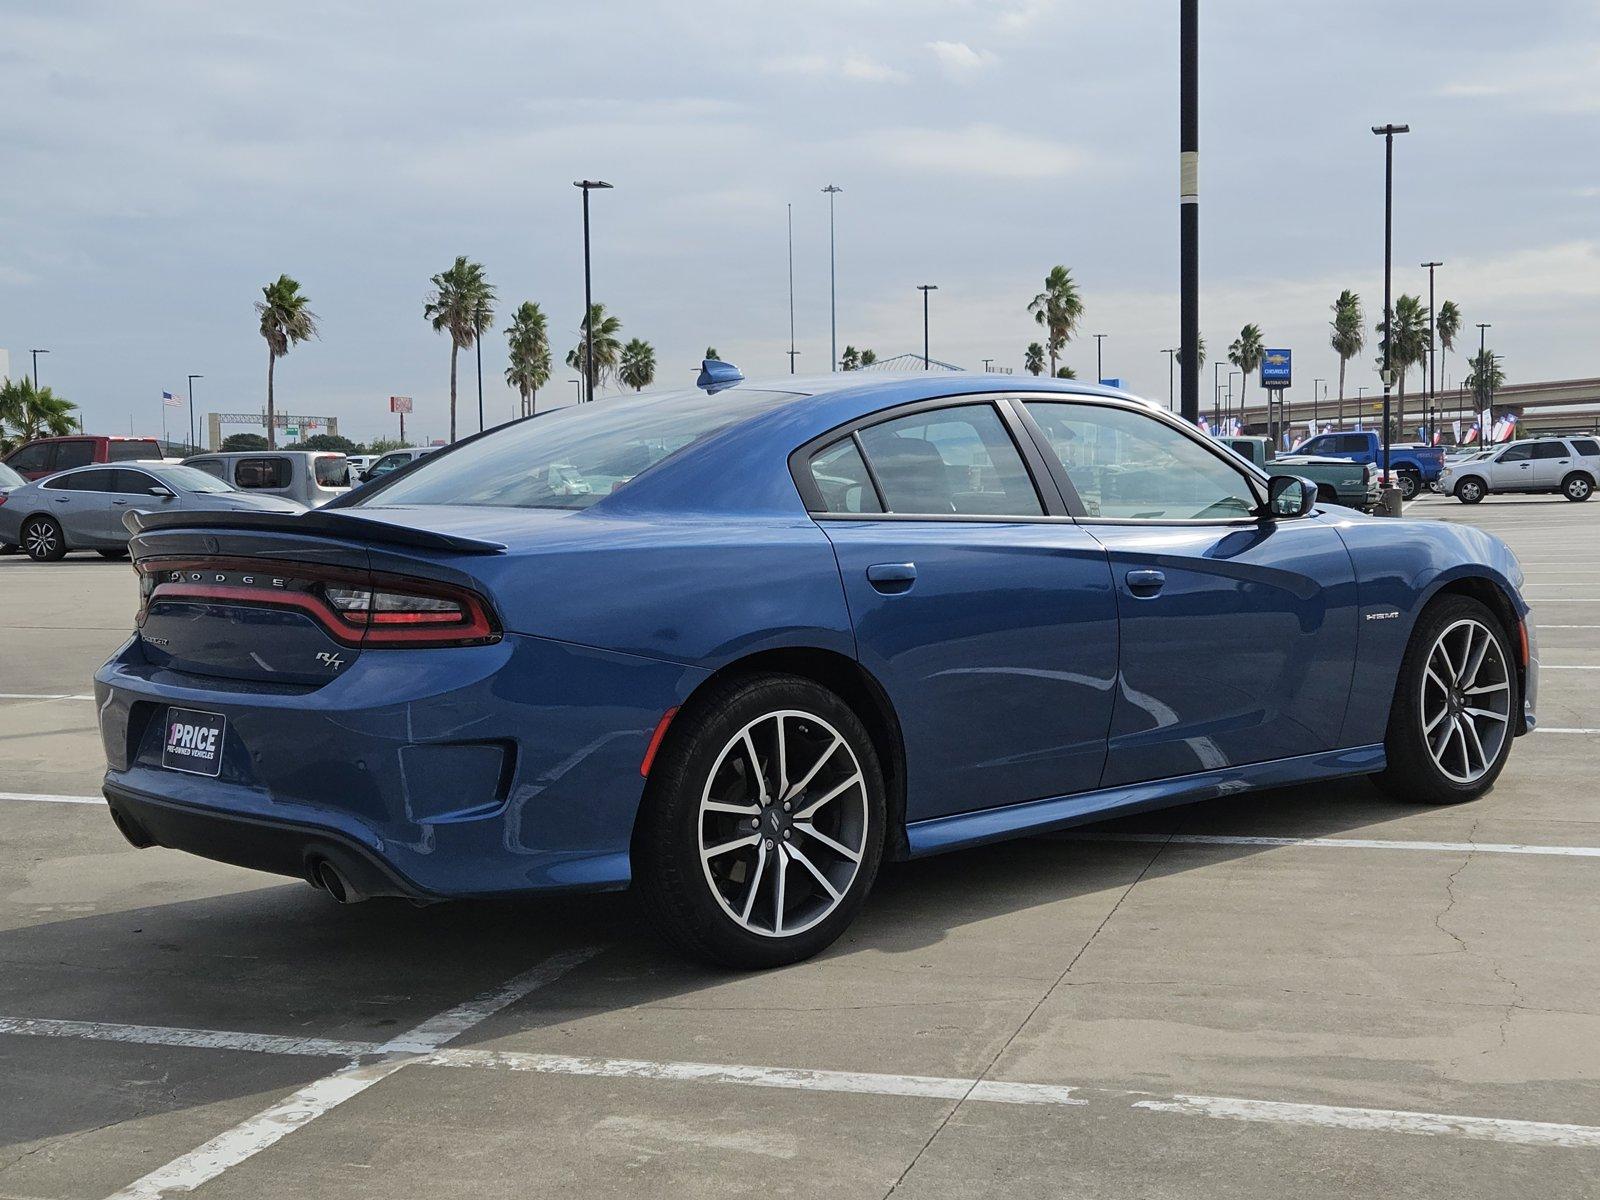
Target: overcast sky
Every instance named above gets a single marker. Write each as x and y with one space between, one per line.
159 162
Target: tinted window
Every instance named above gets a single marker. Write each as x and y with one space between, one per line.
1586 446
185 479
132 483
1551 450
211 466
389 462
956 460
73 454
33 458
262 472
128 451
572 457
842 478
88 481
1519 453
332 471
1351 443
1127 464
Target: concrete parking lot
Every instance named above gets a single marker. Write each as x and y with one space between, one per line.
1308 993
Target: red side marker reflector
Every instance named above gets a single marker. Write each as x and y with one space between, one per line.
655 740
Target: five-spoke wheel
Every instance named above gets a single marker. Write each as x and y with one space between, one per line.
763 822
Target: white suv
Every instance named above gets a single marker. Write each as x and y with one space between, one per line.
1570 466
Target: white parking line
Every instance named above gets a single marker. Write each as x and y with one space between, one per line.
44 696
1567 729
40 798
271 1125
1542 628
1225 839
1553 667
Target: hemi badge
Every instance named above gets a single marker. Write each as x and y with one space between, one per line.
1391 615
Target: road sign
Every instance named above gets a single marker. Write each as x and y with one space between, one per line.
399 404
1275 369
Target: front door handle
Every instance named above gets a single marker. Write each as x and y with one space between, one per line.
892 578
1145 583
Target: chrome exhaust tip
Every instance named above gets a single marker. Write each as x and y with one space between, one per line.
331 880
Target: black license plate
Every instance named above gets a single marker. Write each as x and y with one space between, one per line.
193 741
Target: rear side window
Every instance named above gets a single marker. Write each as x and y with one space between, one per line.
85 481
951 461
73 454
841 476
1551 450
1587 447
333 471
128 451
262 473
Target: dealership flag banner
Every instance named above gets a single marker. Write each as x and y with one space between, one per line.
171 401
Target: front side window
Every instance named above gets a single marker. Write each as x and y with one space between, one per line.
211 466
1519 453
33 458
1127 465
132 483
841 476
73 454
950 461
262 473
390 462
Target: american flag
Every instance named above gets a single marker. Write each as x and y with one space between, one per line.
171 401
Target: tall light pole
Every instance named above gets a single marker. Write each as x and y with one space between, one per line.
1172 357
792 350
1316 394
586 186
1483 376
1216 394
925 288
833 291
1387 133
1189 203
192 378
1229 406
1099 371
36 354
1432 322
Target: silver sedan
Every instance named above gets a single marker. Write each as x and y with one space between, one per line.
82 509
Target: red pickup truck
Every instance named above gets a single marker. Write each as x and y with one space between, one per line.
46 456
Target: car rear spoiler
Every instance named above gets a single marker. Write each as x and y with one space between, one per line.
341 523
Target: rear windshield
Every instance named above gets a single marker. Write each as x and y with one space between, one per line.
191 479
333 471
128 451
573 457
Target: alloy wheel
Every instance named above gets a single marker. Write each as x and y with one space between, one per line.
1466 701
1578 487
39 539
783 823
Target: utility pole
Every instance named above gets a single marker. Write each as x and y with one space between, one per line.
192 378
587 185
1189 202
1172 358
833 290
1099 369
1387 133
925 288
792 350
1433 321
36 354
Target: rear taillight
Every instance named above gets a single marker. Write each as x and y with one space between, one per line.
355 608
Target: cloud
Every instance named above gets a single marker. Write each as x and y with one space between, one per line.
959 60
974 150
857 67
1556 81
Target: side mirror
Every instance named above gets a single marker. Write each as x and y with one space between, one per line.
161 492
1289 496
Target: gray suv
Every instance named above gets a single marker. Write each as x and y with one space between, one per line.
82 509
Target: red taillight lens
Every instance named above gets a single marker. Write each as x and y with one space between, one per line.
362 611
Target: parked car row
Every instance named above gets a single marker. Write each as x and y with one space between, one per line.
1569 466
1415 466
1338 480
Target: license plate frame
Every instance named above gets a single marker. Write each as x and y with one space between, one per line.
192 741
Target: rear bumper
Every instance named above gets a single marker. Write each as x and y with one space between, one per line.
469 771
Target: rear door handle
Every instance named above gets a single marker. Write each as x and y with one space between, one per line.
63 499
1145 583
892 578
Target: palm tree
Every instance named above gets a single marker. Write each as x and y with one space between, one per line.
1348 337
712 355
637 368
850 360
607 345
868 357
286 319
528 345
1447 324
1033 359
1066 373
456 306
27 413
1484 378
1246 354
1408 344
1058 309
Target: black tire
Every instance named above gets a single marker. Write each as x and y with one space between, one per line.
1409 483
8 548
1412 774
1577 487
43 540
685 897
112 554
1471 491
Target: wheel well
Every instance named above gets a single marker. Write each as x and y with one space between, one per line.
1589 475
1327 494
848 680
1489 594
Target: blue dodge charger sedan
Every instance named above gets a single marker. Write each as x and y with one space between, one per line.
734 647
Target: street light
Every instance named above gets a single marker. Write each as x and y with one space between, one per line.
925 288
1483 376
1433 320
192 378
1099 371
586 186
833 292
792 350
1189 203
579 384
1387 133
1172 357
1316 385
36 354
1216 394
